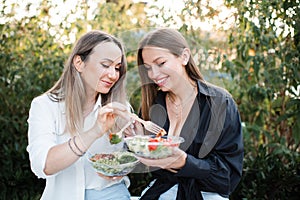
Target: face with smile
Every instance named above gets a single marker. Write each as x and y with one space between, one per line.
101 70
163 67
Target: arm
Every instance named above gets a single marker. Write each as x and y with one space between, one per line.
220 171
41 133
62 156
46 155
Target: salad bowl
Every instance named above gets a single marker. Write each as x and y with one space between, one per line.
153 147
114 164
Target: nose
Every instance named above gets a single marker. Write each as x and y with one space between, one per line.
112 74
153 72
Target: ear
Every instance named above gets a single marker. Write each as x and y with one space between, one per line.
186 53
78 63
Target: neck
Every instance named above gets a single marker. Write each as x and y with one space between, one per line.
179 97
89 105
178 105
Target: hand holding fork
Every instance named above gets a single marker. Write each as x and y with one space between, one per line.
150 126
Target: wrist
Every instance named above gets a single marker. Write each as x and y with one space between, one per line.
95 132
183 160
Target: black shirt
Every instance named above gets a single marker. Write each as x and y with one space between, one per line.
213 143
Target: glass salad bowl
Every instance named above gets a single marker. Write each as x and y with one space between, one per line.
114 164
153 147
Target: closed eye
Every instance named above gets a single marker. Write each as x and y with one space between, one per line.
147 67
104 65
161 64
117 67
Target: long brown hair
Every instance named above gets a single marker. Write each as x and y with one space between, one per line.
70 88
174 42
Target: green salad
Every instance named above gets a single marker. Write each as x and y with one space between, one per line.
114 164
153 147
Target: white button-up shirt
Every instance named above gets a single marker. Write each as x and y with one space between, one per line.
46 127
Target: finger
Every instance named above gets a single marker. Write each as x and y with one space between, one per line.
102 176
122 114
138 128
132 124
132 128
177 151
117 178
152 162
115 109
105 110
172 170
109 177
118 106
129 132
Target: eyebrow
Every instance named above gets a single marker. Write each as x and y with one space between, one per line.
112 61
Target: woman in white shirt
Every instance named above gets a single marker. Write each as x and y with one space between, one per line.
73 118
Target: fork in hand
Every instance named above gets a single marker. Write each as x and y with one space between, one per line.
120 132
150 126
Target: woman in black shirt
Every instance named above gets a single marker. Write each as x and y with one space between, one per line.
176 97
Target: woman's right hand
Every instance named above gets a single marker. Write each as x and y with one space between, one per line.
106 116
136 128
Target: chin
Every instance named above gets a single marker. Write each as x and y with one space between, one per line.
164 89
103 91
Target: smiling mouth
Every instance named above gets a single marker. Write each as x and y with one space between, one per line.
161 82
107 83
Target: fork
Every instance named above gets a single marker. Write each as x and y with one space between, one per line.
149 125
120 132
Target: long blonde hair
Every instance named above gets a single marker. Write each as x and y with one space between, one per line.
70 88
173 41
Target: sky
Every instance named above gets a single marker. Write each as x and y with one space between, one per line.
62 8
174 7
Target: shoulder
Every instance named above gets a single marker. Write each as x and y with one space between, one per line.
42 99
213 91
219 95
44 108
44 102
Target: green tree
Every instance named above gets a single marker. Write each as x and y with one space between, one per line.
261 55
31 61
266 70
33 51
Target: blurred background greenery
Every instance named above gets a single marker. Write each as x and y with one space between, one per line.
250 47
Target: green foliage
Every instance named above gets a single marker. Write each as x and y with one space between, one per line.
266 67
266 73
31 62
263 77
270 175
32 55
262 56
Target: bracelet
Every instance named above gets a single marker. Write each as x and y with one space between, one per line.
82 152
69 143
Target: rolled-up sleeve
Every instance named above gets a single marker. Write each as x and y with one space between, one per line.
41 137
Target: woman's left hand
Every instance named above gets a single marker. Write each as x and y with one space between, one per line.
171 163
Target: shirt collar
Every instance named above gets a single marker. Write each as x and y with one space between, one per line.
206 88
98 103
